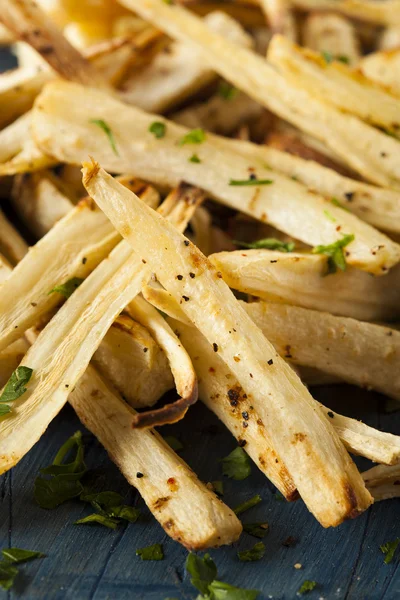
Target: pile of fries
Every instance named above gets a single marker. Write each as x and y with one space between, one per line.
198 124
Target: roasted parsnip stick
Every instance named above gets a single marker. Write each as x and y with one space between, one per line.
188 511
332 33
383 482
301 279
12 246
284 203
245 350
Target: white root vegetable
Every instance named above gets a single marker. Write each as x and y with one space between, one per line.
370 152
134 363
384 13
333 33
179 72
360 353
301 279
280 17
375 205
286 204
321 469
188 511
383 482
335 83
220 391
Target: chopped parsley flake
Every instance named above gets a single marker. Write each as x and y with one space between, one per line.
258 530
307 586
107 130
336 258
67 289
236 465
227 91
158 129
329 58
194 159
329 216
255 553
336 202
14 388
241 508
12 557
154 552
250 181
268 244
196 136
389 549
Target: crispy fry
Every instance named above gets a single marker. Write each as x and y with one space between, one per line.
383 481
166 161
280 17
387 12
384 68
332 33
12 245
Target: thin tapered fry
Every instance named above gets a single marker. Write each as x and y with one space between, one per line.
166 161
127 349
219 390
302 280
332 33
335 83
383 481
188 511
175 75
180 363
370 152
336 495
31 24
12 246
63 350
375 205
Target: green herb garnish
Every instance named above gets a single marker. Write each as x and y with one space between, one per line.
269 244
241 508
194 159
254 553
236 465
98 519
389 549
12 557
336 258
329 216
154 552
172 441
250 181
203 571
158 129
336 202
64 482
218 590
67 288
196 136
227 91
106 128
14 388
258 530
329 58
307 586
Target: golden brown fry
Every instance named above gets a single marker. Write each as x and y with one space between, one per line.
332 33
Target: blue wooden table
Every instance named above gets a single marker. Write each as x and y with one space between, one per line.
95 563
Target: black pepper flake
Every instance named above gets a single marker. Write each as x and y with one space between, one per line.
143 261
383 154
245 415
192 275
33 304
67 385
270 362
186 298
186 242
330 414
242 443
233 396
84 260
288 352
215 347
245 424
179 277
139 475
251 375
349 196
273 261
145 349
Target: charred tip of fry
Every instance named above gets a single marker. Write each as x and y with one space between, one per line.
89 170
171 413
